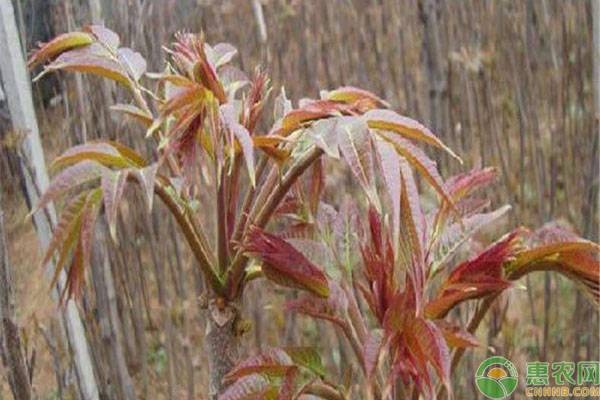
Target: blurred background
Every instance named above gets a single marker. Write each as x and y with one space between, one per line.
504 83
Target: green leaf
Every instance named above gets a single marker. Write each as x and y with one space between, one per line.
307 357
58 45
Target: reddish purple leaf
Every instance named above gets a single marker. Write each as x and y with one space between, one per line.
475 278
284 264
426 342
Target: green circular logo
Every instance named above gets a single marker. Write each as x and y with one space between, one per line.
496 378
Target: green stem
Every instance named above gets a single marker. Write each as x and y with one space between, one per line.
192 238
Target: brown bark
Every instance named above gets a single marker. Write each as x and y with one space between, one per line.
222 344
10 342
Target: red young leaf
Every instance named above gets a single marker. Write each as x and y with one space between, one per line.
310 111
578 260
402 309
451 238
284 264
461 186
475 278
426 342
378 260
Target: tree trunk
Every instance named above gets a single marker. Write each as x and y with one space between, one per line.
11 351
33 167
222 344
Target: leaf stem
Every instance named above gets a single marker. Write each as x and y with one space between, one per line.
235 273
192 238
